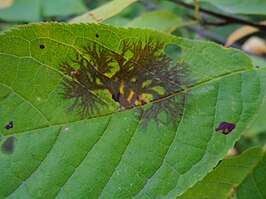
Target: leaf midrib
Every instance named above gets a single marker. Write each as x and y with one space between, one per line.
110 114
155 101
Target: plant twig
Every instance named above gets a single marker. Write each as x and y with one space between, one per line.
213 37
196 12
149 5
228 19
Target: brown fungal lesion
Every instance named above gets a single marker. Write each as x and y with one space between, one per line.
140 73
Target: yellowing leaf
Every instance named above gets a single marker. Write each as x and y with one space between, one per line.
5 3
255 45
104 12
240 33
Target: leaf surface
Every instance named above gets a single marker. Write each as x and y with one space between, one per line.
224 181
31 10
256 7
254 184
104 12
158 20
102 111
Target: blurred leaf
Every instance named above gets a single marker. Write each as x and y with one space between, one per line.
62 7
255 45
30 10
125 17
22 11
103 111
5 3
104 12
224 180
164 21
240 33
255 7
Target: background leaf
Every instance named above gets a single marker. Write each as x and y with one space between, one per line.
22 10
225 179
104 12
54 152
30 10
158 20
254 185
240 6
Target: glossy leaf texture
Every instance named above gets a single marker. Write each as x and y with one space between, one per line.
106 112
228 178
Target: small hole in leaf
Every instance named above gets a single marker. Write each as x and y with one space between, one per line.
42 46
9 145
97 36
173 51
9 125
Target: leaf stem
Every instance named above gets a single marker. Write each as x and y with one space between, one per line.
226 18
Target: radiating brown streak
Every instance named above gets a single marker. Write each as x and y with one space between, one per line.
126 85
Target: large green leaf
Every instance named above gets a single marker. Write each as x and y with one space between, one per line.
102 111
224 181
240 6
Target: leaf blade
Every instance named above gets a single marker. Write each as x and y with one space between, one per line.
137 155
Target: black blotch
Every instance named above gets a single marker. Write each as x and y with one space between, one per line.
225 127
42 46
9 125
8 146
116 96
257 66
140 74
97 36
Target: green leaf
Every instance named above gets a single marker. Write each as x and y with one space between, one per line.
256 7
30 10
102 111
104 12
158 20
255 183
63 7
22 10
224 180
258 126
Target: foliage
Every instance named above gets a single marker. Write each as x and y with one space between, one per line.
99 111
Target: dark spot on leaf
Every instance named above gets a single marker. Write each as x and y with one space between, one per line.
9 125
42 46
257 66
226 127
97 36
116 96
9 145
